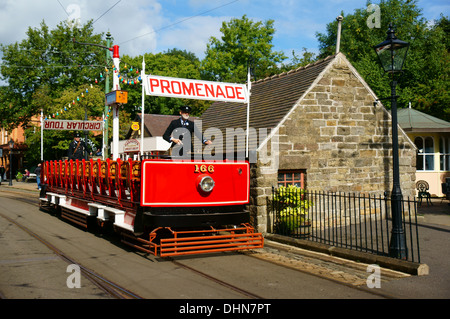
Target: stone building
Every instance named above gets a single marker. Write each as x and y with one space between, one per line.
324 132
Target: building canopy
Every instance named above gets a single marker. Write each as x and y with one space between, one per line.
412 120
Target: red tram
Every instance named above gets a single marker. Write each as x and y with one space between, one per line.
161 206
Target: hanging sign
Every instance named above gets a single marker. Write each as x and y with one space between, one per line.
195 89
73 125
116 97
130 146
135 126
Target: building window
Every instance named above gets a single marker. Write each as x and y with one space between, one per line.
444 150
292 177
425 155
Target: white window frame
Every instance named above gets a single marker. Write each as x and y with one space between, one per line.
444 150
423 155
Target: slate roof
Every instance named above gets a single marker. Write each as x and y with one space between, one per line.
411 120
271 99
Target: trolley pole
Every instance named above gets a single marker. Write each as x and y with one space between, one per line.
106 126
142 108
116 87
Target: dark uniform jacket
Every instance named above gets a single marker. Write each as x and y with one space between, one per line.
177 129
76 152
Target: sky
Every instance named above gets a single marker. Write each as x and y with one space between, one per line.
142 26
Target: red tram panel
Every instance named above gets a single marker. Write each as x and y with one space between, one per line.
177 183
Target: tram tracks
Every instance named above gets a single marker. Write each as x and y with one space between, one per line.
116 291
112 289
216 280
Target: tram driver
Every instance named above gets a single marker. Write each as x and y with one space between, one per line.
177 130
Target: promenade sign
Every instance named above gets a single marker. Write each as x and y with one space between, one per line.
195 89
73 125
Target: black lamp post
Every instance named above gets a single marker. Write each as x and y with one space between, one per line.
11 146
392 54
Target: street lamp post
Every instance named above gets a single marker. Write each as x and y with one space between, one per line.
11 146
392 53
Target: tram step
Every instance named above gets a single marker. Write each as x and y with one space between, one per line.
76 215
98 210
210 244
57 199
197 242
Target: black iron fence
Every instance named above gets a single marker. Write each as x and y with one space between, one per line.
353 221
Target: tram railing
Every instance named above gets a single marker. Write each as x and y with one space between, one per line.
117 181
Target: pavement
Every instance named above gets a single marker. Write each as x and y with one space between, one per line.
32 185
437 214
430 277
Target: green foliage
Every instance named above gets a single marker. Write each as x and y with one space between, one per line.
243 41
173 63
42 66
297 61
427 77
47 71
292 206
56 143
19 176
424 81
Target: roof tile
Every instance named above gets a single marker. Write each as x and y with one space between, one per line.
271 99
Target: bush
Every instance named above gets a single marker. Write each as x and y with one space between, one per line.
19 176
291 207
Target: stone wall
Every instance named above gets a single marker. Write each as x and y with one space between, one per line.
340 138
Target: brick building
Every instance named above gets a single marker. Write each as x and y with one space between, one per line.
324 132
18 152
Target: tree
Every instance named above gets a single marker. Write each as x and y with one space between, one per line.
297 62
46 58
47 71
73 104
431 93
424 81
173 63
243 41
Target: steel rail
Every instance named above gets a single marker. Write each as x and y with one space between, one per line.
216 280
111 288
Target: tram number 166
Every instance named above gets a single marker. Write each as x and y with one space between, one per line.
203 168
